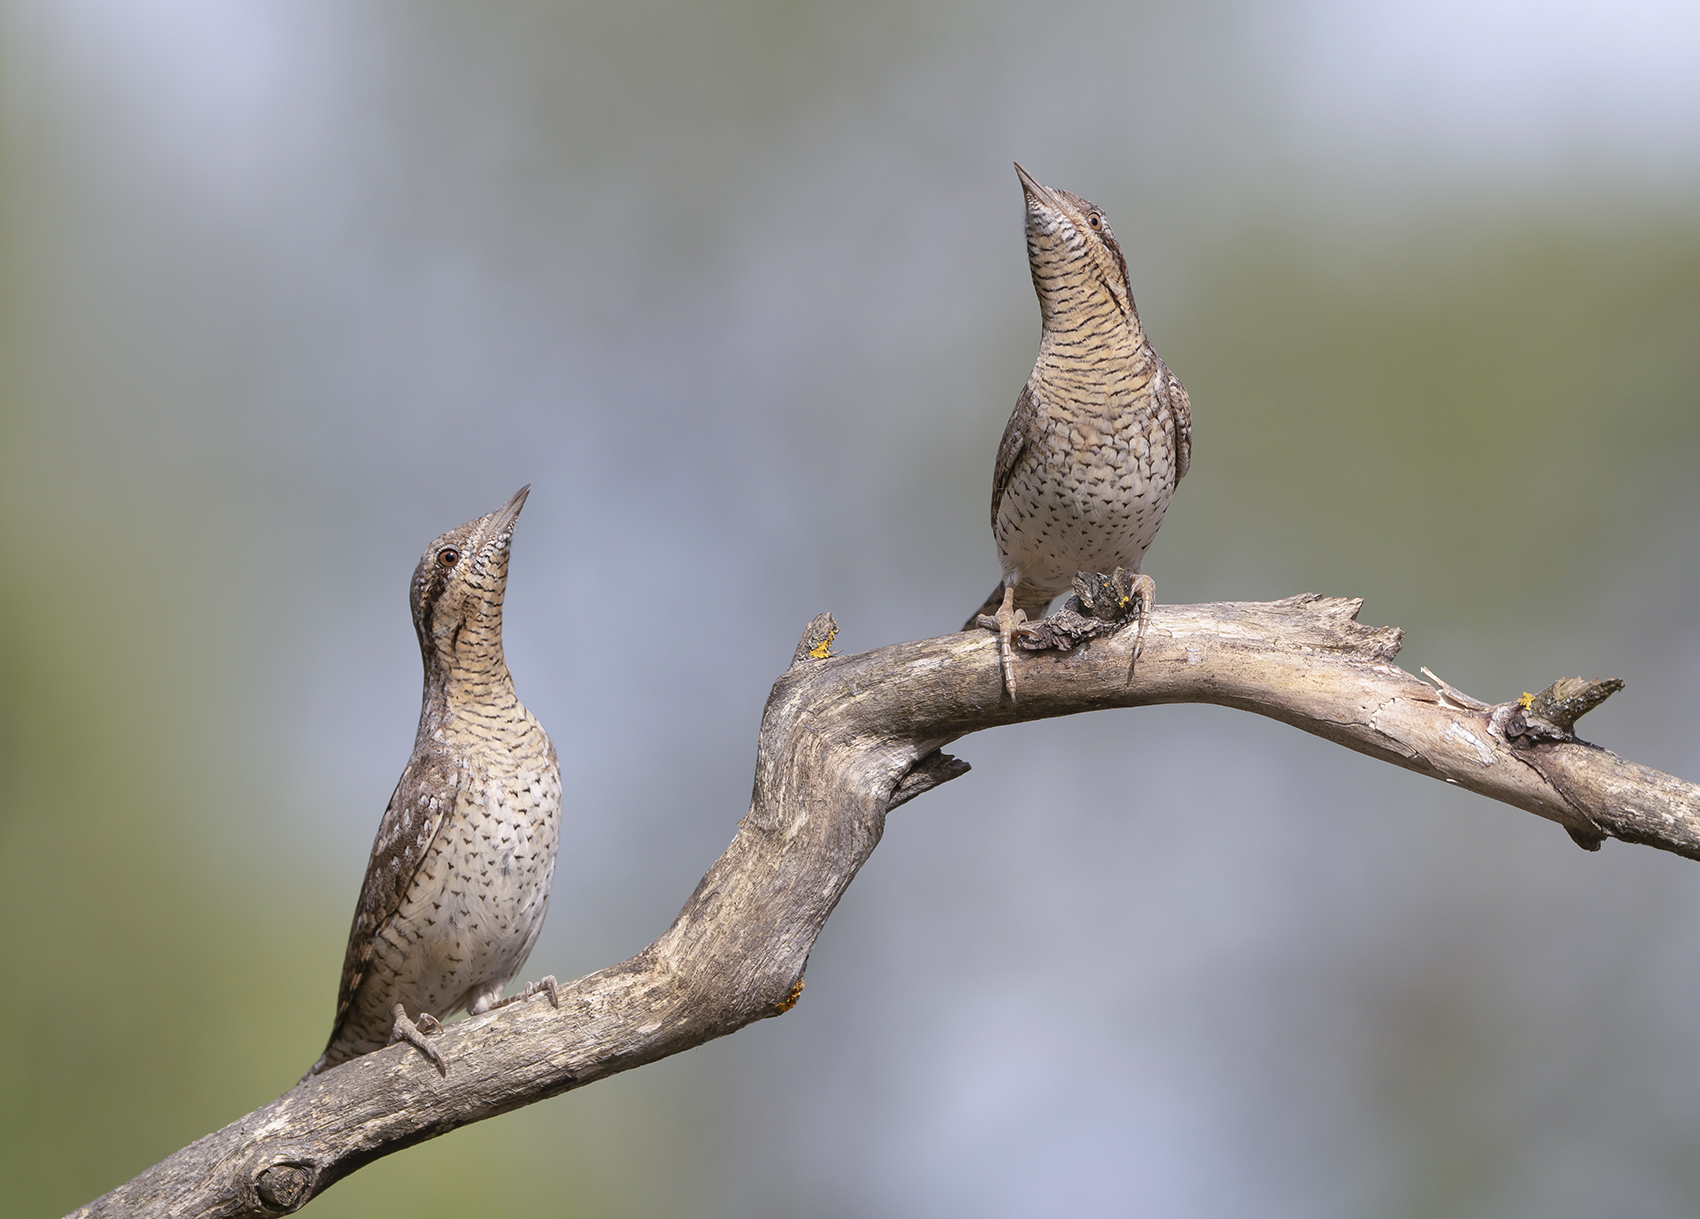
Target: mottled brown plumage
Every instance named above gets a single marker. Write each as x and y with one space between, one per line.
458 881
1101 433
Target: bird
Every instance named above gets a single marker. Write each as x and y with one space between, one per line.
458 880
1101 433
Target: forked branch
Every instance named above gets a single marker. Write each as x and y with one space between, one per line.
844 739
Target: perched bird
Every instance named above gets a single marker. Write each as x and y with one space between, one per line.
1101 432
458 882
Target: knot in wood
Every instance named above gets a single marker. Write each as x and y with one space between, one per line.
285 1187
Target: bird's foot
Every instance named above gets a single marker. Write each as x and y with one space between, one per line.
546 983
1101 605
415 1034
1007 622
1145 592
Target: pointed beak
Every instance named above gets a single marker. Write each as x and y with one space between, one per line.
503 525
1032 187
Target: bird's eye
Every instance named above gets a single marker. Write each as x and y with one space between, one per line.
1095 220
448 556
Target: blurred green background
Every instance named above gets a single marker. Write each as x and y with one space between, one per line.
740 288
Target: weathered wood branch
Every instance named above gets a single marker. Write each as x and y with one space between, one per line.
844 739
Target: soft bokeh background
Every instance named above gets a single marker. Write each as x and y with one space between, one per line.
290 287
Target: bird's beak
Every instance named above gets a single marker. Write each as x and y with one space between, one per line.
503 525
1034 188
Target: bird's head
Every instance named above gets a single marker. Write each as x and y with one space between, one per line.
460 581
1072 251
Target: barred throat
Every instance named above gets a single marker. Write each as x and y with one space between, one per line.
1091 352
472 691
1073 272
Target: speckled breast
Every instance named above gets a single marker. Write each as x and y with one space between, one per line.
1093 497
476 904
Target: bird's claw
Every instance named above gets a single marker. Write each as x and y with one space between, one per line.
545 983
415 1034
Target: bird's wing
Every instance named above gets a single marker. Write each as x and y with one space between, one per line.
1180 420
1023 424
428 789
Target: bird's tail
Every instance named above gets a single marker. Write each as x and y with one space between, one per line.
1024 600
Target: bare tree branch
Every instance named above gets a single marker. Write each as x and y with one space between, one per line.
844 739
